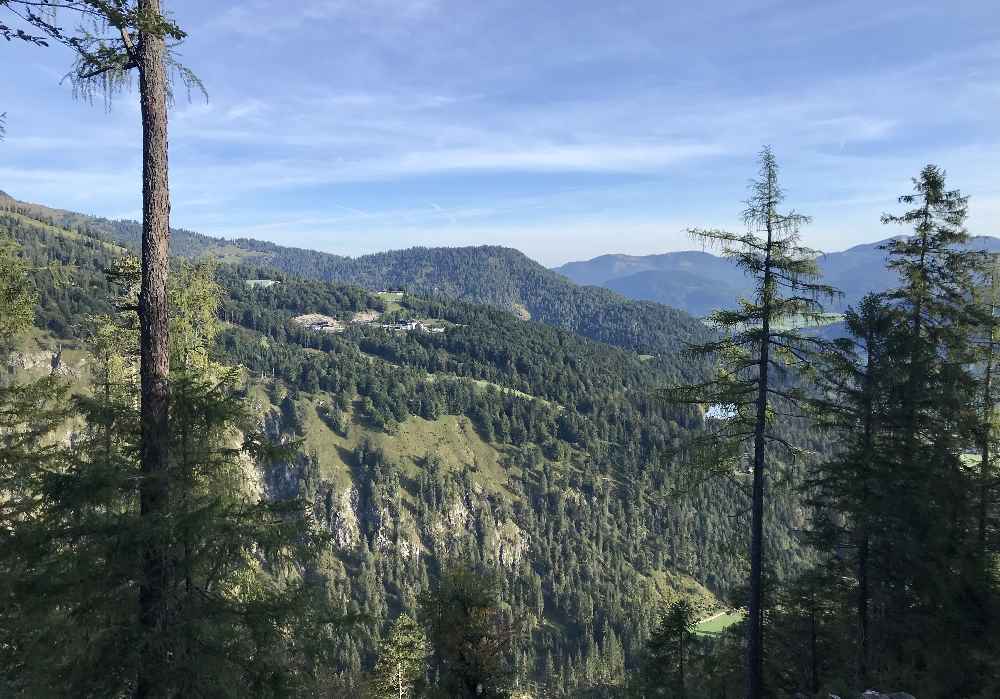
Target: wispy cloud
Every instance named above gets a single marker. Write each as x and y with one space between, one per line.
394 122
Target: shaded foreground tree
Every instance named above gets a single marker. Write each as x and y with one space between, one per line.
120 36
244 614
933 408
901 508
851 493
668 649
470 634
987 339
757 341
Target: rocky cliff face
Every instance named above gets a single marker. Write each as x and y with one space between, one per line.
374 511
42 362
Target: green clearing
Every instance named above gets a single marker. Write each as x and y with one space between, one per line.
717 624
391 299
667 586
226 253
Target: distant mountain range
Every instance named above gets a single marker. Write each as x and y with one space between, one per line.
699 282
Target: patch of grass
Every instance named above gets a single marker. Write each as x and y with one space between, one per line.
391 299
228 254
717 624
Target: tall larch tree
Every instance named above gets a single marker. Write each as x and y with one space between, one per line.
756 346
122 36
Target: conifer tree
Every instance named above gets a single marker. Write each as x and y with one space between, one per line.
900 507
402 660
245 616
470 637
31 412
758 343
668 648
988 345
17 296
934 410
852 493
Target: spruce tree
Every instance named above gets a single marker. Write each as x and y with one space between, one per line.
851 493
245 613
469 635
31 413
758 344
402 660
668 649
934 411
988 346
900 506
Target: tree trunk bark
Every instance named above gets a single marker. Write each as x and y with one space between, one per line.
154 351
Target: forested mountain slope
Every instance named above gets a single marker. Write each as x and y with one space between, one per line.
497 441
699 282
500 277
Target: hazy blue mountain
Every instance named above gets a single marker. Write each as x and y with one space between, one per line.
699 282
697 293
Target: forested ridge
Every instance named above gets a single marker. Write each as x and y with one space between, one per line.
501 277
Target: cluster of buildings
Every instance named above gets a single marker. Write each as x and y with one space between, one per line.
327 324
411 326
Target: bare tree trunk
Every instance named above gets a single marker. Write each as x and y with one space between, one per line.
153 343
755 653
864 595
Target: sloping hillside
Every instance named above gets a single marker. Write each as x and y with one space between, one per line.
498 440
500 277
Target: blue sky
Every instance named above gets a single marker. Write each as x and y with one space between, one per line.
566 129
